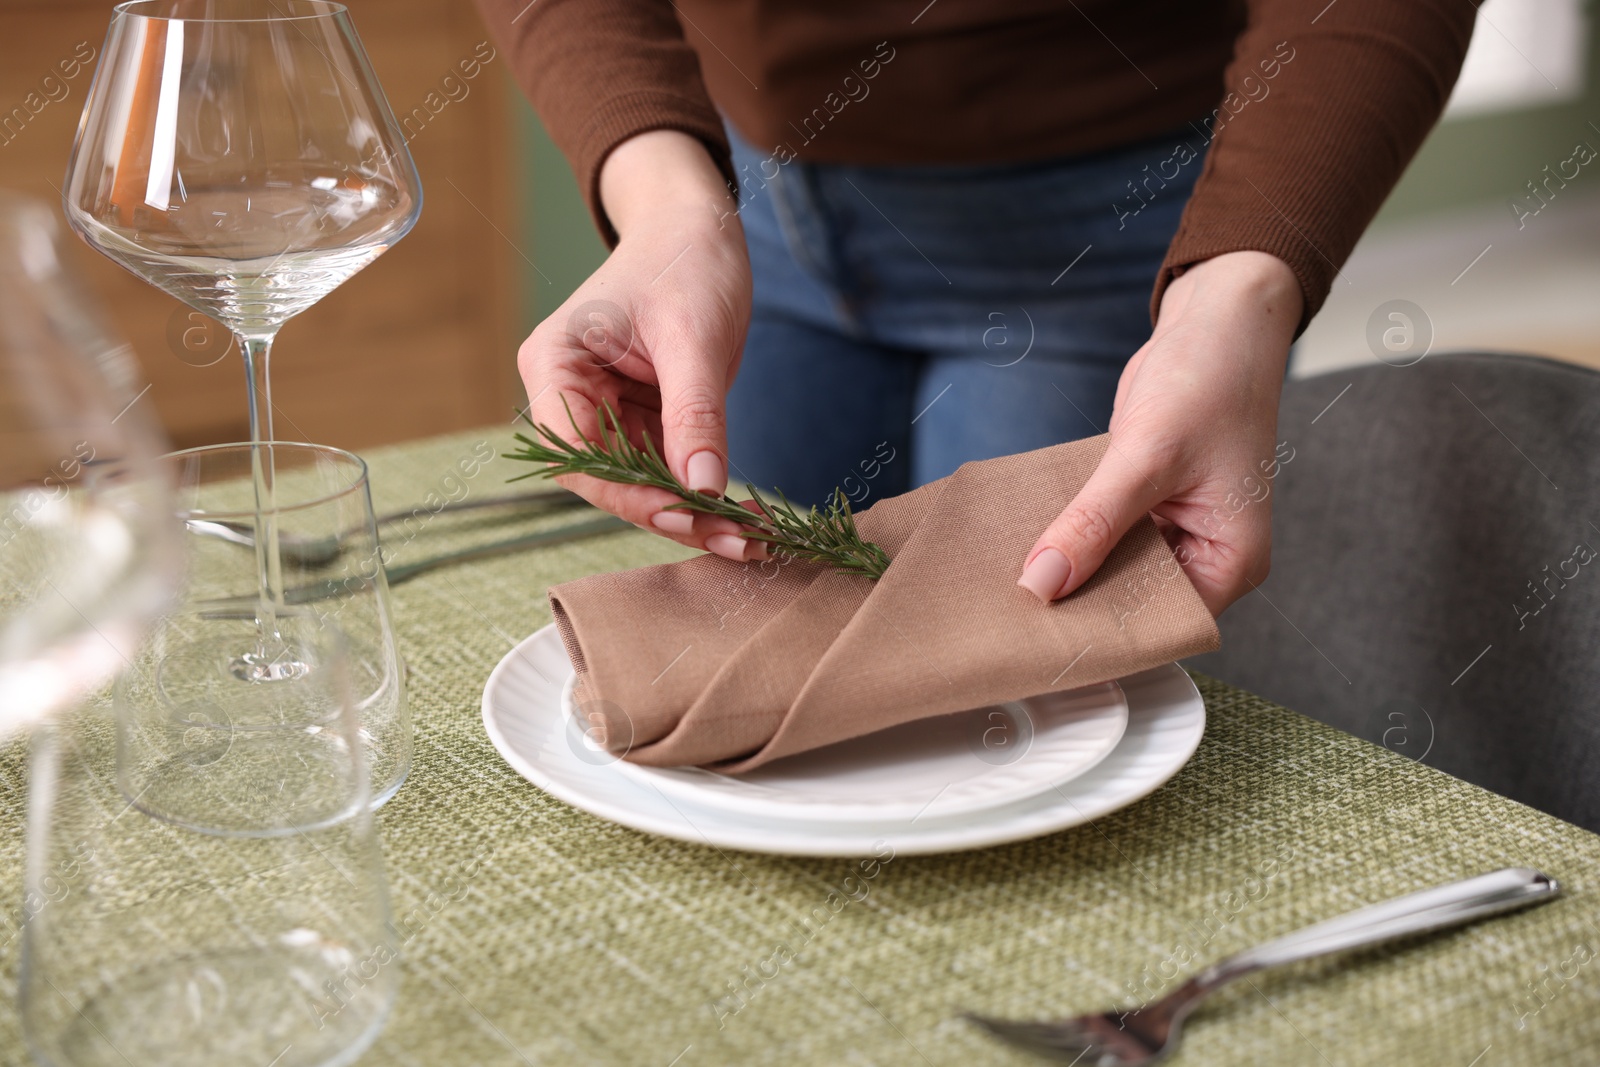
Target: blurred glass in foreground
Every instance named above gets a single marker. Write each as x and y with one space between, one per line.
88 544
151 942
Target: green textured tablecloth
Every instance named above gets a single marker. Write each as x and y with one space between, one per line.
541 935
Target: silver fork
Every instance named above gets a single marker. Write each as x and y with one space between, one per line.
1147 1034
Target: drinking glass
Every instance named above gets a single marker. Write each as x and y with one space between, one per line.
187 705
240 155
150 944
84 562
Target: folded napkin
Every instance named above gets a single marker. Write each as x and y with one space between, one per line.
715 663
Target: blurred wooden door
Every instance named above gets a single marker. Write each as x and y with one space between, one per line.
420 342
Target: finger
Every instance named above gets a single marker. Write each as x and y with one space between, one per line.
713 533
568 402
651 509
572 414
755 549
646 507
1223 569
1069 552
694 421
738 546
1125 386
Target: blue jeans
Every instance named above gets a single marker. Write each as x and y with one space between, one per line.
909 319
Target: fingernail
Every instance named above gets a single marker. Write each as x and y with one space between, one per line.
728 546
706 474
1045 576
677 522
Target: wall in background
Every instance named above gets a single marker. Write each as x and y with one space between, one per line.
1463 255
1482 158
556 224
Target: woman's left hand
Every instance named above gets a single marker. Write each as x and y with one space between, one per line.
1193 436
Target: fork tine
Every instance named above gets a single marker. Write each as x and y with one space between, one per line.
1064 1037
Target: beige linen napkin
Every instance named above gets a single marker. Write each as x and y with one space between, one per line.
710 662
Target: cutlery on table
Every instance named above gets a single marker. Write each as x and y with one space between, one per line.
404 572
320 551
1147 1034
245 607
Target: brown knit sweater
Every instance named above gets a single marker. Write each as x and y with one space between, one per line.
1312 108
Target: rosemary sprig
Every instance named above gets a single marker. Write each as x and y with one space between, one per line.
826 536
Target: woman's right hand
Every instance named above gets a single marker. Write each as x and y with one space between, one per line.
656 332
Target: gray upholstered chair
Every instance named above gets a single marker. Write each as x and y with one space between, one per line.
1435 581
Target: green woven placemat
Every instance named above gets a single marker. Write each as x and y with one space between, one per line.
541 935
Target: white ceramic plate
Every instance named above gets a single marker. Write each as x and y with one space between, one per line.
522 711
935 767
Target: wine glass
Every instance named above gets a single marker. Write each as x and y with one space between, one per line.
86 558
240 155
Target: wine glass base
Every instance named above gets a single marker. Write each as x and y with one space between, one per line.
259 668
218 675
312 1004
211 751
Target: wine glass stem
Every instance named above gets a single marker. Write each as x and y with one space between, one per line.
257 350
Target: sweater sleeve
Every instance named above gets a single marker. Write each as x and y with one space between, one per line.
600 71
1324 105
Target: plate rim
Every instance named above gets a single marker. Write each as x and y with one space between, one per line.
832 812
1017 821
